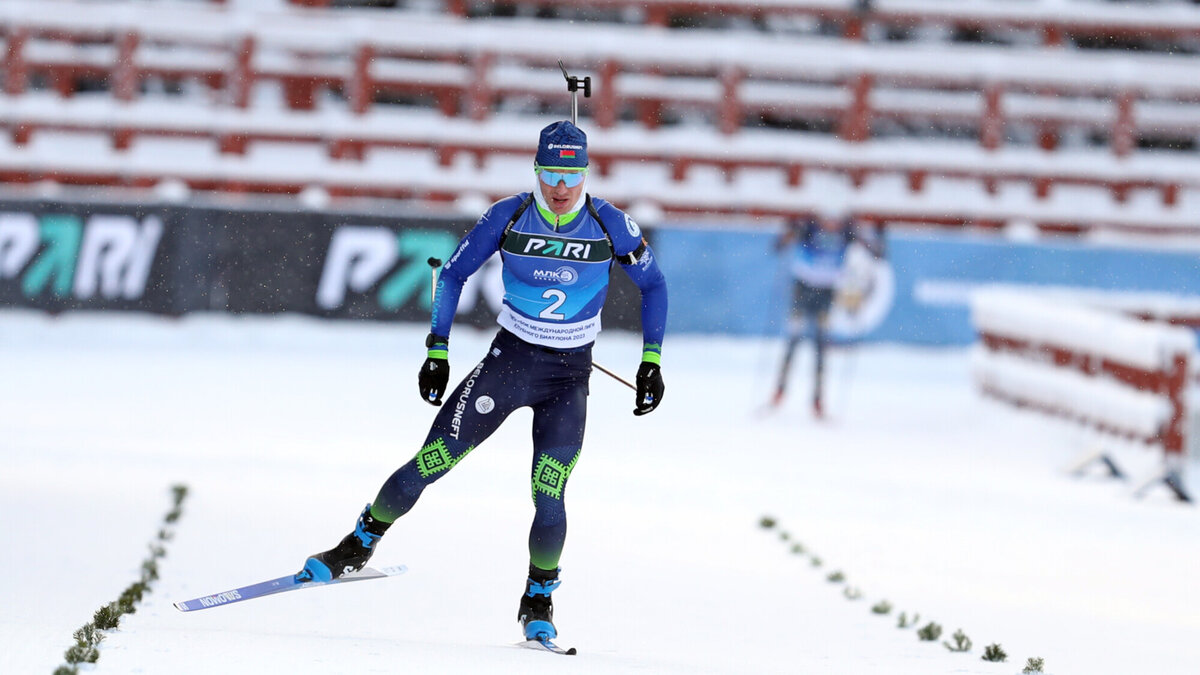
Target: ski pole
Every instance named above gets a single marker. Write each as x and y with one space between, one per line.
573 85
434 264
613 375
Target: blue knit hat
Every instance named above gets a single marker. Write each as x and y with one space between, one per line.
562 144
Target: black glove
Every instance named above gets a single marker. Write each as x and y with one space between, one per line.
649 388
435 372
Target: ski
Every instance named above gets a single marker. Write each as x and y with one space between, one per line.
545 645
281 585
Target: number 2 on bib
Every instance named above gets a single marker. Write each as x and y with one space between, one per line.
558 298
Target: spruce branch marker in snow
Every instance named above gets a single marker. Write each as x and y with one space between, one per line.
994 652
930 632
109 616
962 643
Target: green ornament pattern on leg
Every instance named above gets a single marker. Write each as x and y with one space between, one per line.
550 476
436 457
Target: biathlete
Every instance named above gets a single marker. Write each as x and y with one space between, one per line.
557 245
817 249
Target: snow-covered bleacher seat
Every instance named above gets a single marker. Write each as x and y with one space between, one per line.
1003 93
1080 358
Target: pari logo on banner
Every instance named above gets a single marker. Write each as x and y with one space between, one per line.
106 256
393 265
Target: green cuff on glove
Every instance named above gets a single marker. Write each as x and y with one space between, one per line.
439 346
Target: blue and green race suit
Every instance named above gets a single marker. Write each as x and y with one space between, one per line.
555 271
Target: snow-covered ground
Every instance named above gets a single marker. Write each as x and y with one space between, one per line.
917 490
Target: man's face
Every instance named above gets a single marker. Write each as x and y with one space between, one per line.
553 183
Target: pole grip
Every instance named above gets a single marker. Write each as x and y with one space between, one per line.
434 264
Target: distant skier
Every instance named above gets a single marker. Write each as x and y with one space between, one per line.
817 248
557 246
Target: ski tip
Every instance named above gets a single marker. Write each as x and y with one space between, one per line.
571 651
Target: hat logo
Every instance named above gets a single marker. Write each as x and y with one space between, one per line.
566 153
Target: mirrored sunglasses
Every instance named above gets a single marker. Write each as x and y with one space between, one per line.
551 177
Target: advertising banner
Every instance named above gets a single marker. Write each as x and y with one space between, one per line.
936 273
173 260
725 281
58 257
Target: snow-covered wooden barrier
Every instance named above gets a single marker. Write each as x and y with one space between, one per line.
1109 371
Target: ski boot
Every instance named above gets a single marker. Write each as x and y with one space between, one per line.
777 399
536 612
350 555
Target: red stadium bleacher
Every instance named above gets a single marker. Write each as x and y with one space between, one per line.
352 80
1053 23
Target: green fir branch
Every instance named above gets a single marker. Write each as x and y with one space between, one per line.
994 652
82 653
89 635
149 571
962 643
109 616
929 633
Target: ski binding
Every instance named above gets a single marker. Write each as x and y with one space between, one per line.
544 644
